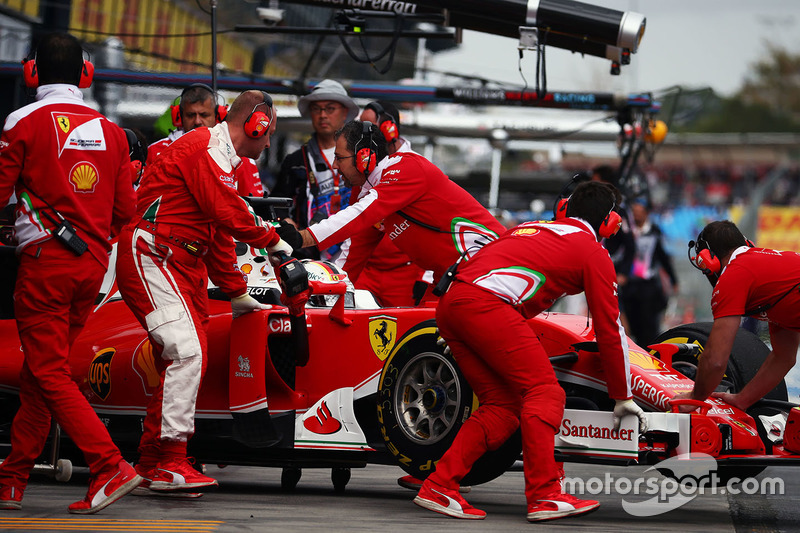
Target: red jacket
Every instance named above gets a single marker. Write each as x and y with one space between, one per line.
248 180
74 159
189 191
535 263
757 277
412 184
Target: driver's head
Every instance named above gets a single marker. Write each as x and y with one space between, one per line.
593 201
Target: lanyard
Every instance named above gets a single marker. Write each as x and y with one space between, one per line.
336 199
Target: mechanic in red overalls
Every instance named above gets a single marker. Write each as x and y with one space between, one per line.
198 108
483 319
389 273
748 281
67 162
181 236
427 216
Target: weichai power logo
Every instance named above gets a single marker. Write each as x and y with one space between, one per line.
100 372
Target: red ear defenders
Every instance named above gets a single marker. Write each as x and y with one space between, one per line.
366 158
257 123
608 227
388 127
31 74
220 111
704 259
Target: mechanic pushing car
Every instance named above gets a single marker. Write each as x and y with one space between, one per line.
427 216
736 269
181 236
72 175
482 317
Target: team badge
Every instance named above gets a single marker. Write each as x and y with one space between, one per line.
382 335
63 123
83 177
100 372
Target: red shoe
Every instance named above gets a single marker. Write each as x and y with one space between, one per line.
446 501
179 475
559 505
414 483
107 487
10 497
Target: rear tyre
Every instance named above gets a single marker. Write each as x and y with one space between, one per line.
423 399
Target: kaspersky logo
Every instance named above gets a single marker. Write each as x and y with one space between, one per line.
100 372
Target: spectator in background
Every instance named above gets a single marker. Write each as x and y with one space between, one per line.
644 296
197 108
307 174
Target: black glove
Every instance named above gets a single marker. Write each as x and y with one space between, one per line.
289 233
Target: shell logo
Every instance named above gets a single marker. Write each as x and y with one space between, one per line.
144 364
645 361
246 268
525 231
83 177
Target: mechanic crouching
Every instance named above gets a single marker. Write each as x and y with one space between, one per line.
483 319
188 209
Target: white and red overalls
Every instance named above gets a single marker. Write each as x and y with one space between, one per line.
248 180
59 151
188 209
482 318
389 274
405 181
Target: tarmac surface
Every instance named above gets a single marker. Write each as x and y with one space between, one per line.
251 499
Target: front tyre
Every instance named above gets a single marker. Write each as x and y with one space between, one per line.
423 399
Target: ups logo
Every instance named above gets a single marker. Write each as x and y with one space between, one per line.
100 372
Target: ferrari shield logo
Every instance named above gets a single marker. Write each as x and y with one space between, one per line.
100 372
382 335
63 123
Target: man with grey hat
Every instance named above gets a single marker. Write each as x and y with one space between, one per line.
307 175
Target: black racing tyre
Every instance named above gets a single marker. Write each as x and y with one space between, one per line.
423 399
746 357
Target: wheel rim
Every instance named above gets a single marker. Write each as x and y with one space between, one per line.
428 398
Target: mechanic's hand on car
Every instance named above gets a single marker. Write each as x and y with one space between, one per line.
244 304
685 396
731 399
628 407
441 342
288 232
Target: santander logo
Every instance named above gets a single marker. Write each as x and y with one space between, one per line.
323 422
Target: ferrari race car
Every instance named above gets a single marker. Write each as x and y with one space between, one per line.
347 383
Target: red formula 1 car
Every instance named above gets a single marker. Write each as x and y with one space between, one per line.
348 383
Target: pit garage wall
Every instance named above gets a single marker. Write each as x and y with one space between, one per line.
94 21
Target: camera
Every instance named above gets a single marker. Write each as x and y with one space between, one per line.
269 15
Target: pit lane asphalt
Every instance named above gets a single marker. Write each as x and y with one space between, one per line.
250 499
